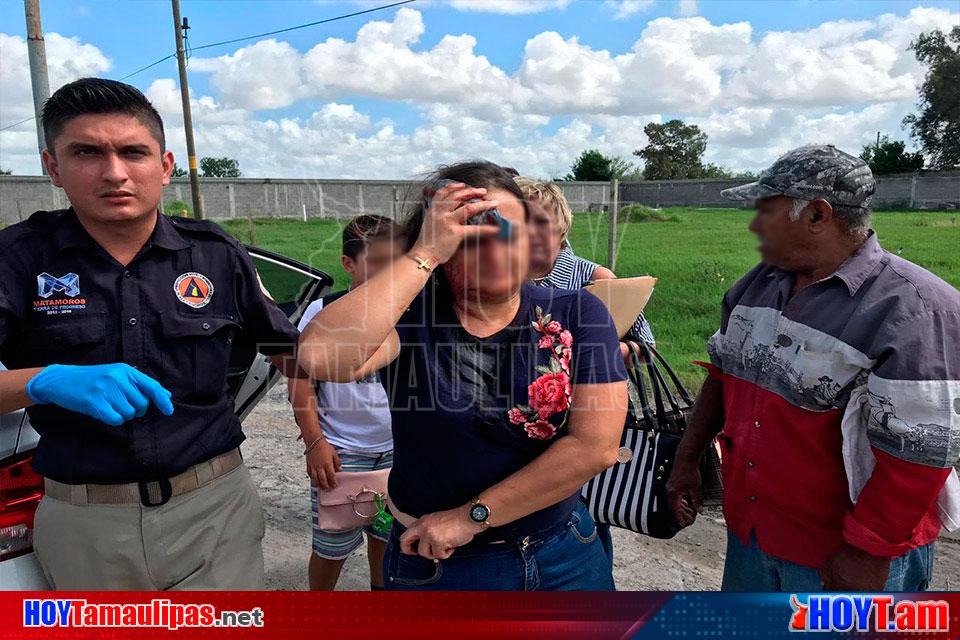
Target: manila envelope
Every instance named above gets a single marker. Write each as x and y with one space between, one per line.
625 298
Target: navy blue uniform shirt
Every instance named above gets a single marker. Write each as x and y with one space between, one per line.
188 305
464 414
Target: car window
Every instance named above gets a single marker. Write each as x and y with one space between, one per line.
291 285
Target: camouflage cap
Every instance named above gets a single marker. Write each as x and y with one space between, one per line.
811 172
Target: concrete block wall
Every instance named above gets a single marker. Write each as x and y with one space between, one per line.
238 197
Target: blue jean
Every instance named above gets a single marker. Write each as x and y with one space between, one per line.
603 532
606 540
568 557
748 568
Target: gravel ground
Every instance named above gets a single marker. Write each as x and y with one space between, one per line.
693 560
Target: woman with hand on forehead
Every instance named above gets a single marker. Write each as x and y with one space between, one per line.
505 398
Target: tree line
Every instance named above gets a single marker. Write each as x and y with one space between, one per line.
212 168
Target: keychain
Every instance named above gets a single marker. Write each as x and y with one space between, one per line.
384 520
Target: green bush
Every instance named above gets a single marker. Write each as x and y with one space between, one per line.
175 208
643 213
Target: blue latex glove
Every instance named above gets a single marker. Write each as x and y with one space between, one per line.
111 393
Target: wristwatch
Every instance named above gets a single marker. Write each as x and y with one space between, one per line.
479 513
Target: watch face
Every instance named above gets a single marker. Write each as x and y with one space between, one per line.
479 513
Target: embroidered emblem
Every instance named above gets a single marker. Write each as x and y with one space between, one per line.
47 285
193 289
69 300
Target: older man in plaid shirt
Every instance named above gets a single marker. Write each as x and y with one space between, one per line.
834 386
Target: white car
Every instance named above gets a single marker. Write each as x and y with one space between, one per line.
291 284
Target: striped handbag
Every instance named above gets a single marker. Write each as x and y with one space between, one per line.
632 494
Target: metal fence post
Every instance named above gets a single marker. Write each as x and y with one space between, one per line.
612 225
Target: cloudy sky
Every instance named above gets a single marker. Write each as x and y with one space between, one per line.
529 83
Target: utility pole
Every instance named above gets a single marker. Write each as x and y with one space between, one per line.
37 54
179 27
612 224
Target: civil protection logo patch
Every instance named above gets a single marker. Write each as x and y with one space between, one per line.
193 289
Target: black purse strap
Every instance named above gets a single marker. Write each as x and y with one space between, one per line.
661 380
682 390
656 387
636 374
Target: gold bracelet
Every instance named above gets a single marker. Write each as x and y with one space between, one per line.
422 263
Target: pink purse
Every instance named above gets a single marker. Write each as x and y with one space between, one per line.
352 503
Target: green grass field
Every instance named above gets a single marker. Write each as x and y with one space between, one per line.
696 254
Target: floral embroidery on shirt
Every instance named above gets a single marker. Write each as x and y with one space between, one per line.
550 393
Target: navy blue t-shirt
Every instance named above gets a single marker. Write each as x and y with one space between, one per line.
468 412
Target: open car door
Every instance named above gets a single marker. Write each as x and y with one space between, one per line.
293 286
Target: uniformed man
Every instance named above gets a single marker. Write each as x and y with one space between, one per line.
117 325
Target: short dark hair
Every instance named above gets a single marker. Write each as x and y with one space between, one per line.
98 95
475 173
363 230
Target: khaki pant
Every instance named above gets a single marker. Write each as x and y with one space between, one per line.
208 538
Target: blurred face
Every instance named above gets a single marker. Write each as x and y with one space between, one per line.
372 260
110 166
784 243
490 269
545 237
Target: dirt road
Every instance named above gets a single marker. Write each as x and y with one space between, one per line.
693 560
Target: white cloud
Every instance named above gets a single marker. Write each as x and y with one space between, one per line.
509 7
67 60
342 116
752 137
676 64
240 77
567 77
687 8
670 62
623 9
755 96
505 7
681 64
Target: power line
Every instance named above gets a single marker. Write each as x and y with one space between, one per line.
11 126
304 26
241 39
152 64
